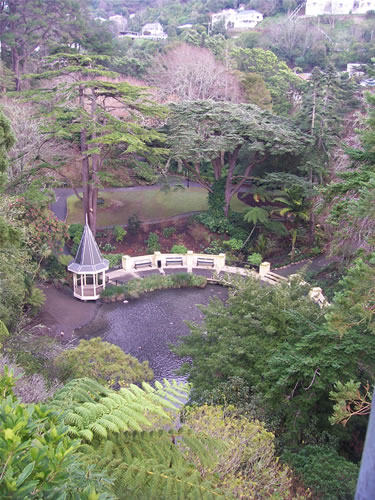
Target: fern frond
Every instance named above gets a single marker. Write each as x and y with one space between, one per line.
98 430
86 434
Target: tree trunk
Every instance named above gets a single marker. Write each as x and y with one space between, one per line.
16 68
294 239
85 171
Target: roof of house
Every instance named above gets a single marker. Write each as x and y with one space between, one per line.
88 258
248 13
151 26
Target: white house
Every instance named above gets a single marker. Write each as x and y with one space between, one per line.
355 69
237 19
119 21
153 30
324 7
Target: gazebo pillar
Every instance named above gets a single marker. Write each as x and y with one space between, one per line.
82 285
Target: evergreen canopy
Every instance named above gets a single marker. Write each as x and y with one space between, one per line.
209 134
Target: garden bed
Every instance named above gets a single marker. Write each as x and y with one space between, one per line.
135 288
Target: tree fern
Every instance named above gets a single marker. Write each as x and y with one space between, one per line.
118 435
88 406
152 464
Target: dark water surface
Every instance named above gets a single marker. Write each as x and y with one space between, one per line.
145 327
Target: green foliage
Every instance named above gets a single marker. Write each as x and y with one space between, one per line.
91 411
108 247
98 131
279 79
327 473
134 223
35 300
349 400
328 99
75 233
256 215
102 361
297 207
149 464
350 200
216 247
4 333
45 232
14 265
278 341
255 259
352 307
141 463
256 91
38 458
145 172
56 267
133 289
247 466
153 244
119 233
169 231
178 249
9 235
216 224
233 244
7 140
208 137
114 259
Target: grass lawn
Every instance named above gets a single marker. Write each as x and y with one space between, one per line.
148 204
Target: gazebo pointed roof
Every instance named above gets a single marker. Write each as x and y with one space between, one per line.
88 258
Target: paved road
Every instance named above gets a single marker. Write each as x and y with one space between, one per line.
315 264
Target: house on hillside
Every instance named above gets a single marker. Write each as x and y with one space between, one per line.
153 30
119 21
355 69
343 7
237 19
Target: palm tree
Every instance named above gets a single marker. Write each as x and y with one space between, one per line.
297 207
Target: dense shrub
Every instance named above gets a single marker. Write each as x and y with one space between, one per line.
325 471
107 247
133 289
4 333
114 259
75 233
134 223
169 231
247 466
55 268
255 259
145 172
216 247
179 249
153 244
35 300
119 233
216 224
233 244
102 361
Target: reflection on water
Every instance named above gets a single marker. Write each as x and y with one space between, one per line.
145 327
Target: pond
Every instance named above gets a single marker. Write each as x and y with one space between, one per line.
145 327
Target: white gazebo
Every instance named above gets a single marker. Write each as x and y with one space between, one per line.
88 268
